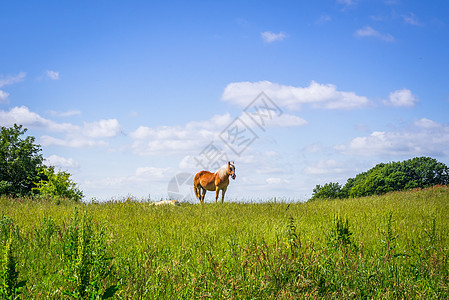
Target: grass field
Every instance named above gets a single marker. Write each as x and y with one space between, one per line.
394 246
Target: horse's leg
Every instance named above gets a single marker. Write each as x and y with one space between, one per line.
197 192
217 191
203 195
223 191
195 189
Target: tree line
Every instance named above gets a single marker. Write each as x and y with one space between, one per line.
418 172
23 172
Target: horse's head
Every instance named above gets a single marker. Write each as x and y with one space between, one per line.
231 169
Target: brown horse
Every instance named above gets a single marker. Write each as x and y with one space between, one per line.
207 181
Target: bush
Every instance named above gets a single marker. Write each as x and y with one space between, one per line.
328 191
57 185
419 172
22 171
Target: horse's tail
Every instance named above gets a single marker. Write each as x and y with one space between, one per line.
196 183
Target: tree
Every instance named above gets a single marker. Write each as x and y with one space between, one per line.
22 171
328 191
20 161
57 185
419 172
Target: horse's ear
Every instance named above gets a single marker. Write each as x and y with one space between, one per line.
229 163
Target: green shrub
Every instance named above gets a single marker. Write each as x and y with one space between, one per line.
57 185
340 235
87 264
328 191
10 287
419 172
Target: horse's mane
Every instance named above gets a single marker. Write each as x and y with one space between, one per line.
223 170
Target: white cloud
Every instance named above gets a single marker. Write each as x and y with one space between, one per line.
196 135
368 31
216 122
164 139
75 135
68 113
102 128
270 37
323 19
273 180
426 123
8 80
170 133
425 138
380 143
71 141
286 120
268 119
164 146
61 162
178 139
151 172
291 97
87 136
142 176
314 148
277 181
187 163
192 130
411 19
53 75
377 18
3 96
346 2
22 115
402 98
322 167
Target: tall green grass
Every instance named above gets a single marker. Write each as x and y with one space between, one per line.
385 247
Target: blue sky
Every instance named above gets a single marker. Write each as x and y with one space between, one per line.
126 95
